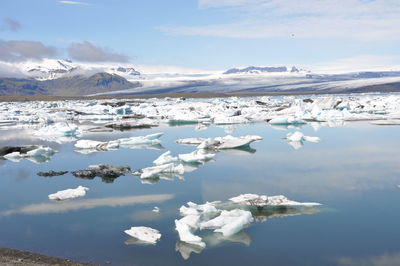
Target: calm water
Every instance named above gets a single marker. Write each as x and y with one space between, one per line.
354 172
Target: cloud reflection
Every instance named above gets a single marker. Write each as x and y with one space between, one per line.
61 207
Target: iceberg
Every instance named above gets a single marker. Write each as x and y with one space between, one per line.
229 222
197 156
227 142
145 234
186 235
34 153
165 158
90 146
60 132
263 200
153 171
286 120
69 193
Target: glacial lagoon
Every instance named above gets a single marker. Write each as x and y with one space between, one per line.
353 171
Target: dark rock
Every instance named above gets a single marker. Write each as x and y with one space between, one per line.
52 173
106 172
308 100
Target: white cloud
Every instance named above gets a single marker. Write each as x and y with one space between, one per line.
74 3
356 19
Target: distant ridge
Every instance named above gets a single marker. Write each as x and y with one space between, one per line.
257 70
66 86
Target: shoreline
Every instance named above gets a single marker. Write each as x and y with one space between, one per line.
26 98
11 257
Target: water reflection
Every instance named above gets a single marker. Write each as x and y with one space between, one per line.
61 207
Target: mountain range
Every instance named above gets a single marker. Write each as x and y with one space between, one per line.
67 78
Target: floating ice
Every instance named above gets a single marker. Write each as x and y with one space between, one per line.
298 136
90 146
263 200
229 222
152 171
156 209
289 120
145 234
165 158
227 142
59 132
186 235
37 154
69 193
197 156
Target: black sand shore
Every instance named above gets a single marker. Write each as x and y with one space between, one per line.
11 257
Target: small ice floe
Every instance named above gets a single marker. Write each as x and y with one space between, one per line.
186 234
286 120
90 146
263 200
296 139
156 209
227 142
60 132
229 222
105 171
69 193
197 156
169 168
298 136
34 153
165 158
145 234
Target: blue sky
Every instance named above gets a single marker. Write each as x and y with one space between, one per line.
209 34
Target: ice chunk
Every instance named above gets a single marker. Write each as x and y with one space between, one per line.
156 209
227 142
164 168
186 235
229 222
59 132
146 234
263 200
197 156
37 154
165 158
69 193
286 120
298 137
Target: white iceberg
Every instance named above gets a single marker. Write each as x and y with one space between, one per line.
145 234
298 136
286 120
39 154
69 193
165 158
197 156
229 222
186 235
152 171
60 132
227 142
263 200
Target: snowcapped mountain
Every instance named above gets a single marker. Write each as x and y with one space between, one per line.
261 70
49 69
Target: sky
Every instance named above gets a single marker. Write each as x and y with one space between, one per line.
205 34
